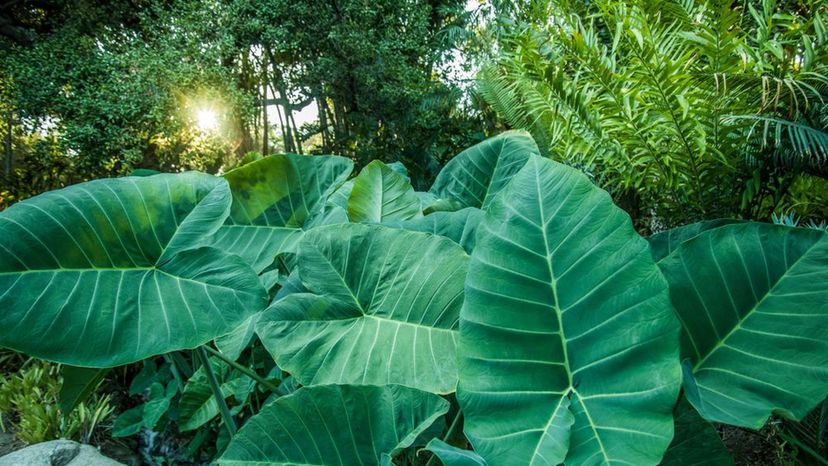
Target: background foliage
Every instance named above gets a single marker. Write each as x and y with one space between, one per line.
683 110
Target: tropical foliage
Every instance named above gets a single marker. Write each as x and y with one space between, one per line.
509 315
683 110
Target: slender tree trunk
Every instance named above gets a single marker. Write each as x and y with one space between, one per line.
287 142
296 136
287 133
266 131
249 139
288 115
323 124
8 145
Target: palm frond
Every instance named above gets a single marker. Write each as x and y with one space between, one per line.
791 143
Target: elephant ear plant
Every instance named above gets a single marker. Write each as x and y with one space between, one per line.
511 315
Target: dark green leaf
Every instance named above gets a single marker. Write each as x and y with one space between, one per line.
341 425
662 244
753 302
78 384
696 442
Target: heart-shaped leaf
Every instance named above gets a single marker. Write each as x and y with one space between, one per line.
474 176
459 226
381 306
568 343
99 274
381 194
273 198
664 243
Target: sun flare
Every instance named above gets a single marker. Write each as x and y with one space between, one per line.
206 119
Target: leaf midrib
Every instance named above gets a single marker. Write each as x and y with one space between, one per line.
122 270
751 311
362 310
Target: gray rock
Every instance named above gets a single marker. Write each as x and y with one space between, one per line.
57 453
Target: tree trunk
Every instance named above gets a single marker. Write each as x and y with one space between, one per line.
296 137
266 129
323 125
8 145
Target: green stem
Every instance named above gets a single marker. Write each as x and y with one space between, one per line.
182 364
803 447
245 370
449 433
175 373
214 385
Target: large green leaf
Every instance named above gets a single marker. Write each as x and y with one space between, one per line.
232 344
664 243
452 456
284 190
198 403
78 384
273 198
459 226
339 198
99 274
696 442
381 194
474 176
331 425
753 302
384 310
256 244
568 343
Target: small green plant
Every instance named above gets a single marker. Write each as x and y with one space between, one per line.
513 299
29 403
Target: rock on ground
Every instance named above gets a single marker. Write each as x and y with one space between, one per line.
57 453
